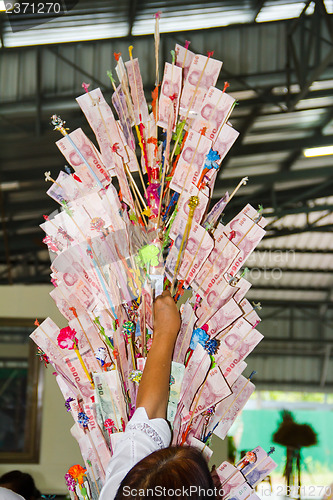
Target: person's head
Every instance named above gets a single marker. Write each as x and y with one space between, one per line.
167 473
21 483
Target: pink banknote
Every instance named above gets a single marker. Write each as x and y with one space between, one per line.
195 374
215 297
119 102
223 318
137 92
213 390
230 477
84 153
170 95
214 112
224 140
66 188
184 59
198 247
191 162
227 411
203 73
246 235
110 139
185 333
179 223
222 256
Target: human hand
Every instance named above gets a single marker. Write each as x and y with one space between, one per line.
166 316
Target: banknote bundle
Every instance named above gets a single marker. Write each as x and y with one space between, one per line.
134 218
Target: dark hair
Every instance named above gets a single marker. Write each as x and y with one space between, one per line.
173 468
21 483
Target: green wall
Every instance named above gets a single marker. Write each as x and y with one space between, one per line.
260 425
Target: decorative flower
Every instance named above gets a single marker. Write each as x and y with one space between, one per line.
128 328
100 355
42 356
149 255
110 426
83 419
70 482
66 338
211 159
153 198
135 376
149 343
212 346
199 336
77 472
68 404
97 223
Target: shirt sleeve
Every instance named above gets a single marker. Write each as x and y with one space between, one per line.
142 437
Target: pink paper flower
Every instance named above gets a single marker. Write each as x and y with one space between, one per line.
149 343
66 338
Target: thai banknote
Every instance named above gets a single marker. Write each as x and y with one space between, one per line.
185 251
230 478
191 162
227 411
179 223
119 102
185 333
243 286
170 95
138 96
184 59
253 214
215 298
176 378
75 271
45 336
203 73
194 375
233 372
90 454
214 112
97 437
102 121
198 247
249 313
223 318
65 299
80 378
83 156
216 212
219 260
260 471
109 398
224 141
89 341
242 493
241 339
66 188
214 389
240 348
246 235
62 231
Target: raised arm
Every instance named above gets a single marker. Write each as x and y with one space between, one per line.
153 393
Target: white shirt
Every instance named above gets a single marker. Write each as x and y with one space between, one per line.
142 437
6 494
